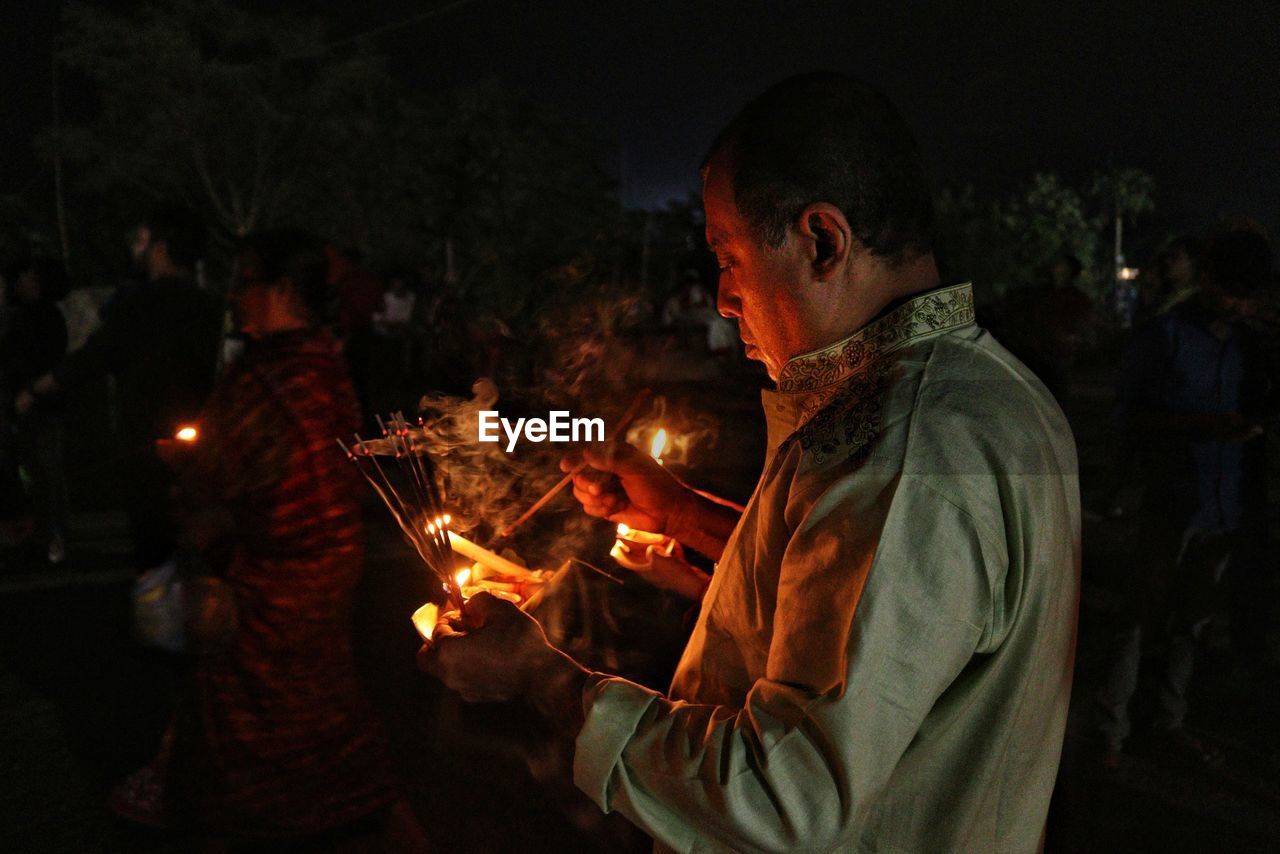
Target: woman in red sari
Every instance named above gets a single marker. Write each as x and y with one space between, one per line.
275 737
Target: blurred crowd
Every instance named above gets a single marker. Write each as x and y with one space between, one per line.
1192 344
246 525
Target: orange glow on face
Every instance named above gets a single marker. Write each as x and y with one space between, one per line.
187 434
658 445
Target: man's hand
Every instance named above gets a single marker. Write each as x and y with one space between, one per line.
494 652
23 403
623 484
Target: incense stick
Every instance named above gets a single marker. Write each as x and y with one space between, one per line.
620 429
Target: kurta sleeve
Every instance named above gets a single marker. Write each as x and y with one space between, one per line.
869 630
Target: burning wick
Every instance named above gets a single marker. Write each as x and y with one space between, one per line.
658 445
463 576
633 549
186 434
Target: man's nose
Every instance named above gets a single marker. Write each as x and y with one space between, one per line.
727 303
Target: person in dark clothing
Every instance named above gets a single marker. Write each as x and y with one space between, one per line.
1182 403
35 342
1051 322
359 295
160 341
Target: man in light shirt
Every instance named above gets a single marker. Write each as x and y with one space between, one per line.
883 658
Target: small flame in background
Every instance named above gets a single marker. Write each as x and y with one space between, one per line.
187 434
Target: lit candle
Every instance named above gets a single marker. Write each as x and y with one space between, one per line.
481 555
634 549
425 619
186 434
658 445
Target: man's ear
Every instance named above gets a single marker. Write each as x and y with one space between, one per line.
829 235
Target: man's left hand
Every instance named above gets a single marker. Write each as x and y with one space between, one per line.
494 652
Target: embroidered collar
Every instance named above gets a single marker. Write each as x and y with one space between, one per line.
929 313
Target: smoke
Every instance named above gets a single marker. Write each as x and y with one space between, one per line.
591 355
690 432
486 488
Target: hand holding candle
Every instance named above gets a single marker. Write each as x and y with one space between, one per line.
624 484
493 652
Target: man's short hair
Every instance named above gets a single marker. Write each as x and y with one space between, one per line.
180 230
825 137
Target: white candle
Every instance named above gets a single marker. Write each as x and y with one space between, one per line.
635 549
497 563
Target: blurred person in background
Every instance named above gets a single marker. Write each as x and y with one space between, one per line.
35 342
1049 323
1183 392
359 296
159 339
1178 265
274 737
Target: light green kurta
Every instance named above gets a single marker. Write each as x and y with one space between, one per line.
883 659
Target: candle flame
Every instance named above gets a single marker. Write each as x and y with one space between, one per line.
658 445
623 529
424 619
187 434
463 576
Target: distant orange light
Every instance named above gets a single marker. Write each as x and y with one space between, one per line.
187 434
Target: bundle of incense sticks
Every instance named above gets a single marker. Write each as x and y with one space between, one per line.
417 505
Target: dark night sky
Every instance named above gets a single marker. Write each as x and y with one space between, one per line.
995 91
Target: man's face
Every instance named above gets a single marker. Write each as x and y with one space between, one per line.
760 286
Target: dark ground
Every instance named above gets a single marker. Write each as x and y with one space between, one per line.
81 705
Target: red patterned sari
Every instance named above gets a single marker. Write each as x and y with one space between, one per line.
276 738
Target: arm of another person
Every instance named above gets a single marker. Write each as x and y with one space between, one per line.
239 460
100 354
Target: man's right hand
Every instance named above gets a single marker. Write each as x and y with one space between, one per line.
623 484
